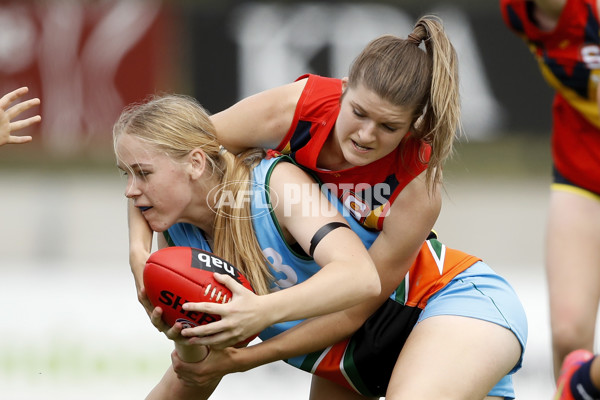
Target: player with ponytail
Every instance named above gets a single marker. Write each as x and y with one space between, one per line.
177 173
378 139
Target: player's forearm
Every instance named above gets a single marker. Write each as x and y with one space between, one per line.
323 331
323 294
191 353
261 120
140 242
309 336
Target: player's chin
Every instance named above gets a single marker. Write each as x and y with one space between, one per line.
158 228
357 158
360 159
158 225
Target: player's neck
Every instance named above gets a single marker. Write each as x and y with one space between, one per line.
331 157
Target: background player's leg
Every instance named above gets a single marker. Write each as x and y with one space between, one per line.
573 272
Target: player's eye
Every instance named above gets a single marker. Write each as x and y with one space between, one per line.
124 172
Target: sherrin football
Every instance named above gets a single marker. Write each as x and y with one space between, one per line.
174 276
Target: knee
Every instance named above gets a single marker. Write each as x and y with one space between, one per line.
569 336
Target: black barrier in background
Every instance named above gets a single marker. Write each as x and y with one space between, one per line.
213 61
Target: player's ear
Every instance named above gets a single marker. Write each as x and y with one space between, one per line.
197 159
344 83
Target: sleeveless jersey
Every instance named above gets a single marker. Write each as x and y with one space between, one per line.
366 191
365 361
569 59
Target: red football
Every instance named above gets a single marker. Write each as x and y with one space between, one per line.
174 276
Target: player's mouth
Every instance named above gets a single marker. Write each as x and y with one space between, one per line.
144 208
360 148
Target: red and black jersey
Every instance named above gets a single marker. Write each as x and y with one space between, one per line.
366 191
569 59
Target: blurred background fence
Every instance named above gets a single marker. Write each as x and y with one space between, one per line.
76 329
87 59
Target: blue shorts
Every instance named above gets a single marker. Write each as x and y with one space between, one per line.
478 292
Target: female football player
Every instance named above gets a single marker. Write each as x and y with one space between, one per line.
563 37
455 325
378 139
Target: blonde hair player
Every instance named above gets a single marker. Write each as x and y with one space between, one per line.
378 138
383 133
169 153
459 328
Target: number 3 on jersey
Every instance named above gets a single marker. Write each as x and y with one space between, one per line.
284 275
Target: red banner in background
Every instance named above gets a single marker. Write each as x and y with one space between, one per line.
85 61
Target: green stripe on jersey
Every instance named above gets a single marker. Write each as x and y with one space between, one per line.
310 360
437 246
350 372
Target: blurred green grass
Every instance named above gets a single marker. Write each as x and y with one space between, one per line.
73 360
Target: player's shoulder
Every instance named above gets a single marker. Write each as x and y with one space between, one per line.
417 201
286 170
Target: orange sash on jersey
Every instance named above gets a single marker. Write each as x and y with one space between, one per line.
435 266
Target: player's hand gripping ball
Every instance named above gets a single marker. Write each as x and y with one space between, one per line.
174 276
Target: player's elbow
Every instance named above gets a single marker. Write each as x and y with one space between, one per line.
375 287
370 285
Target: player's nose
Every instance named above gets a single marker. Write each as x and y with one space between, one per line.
132 190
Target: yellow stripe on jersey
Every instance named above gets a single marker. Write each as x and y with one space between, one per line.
287 149
588 108
563 187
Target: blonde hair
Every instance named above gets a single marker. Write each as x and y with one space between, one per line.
177 124
400 72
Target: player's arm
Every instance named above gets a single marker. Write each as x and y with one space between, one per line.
8 113
140 245
547 13
552 8
261 120
411 218
410 221
138 255
346 278
346 267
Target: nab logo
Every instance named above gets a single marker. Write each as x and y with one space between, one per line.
207 261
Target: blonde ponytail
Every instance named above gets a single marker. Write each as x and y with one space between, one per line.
234 235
